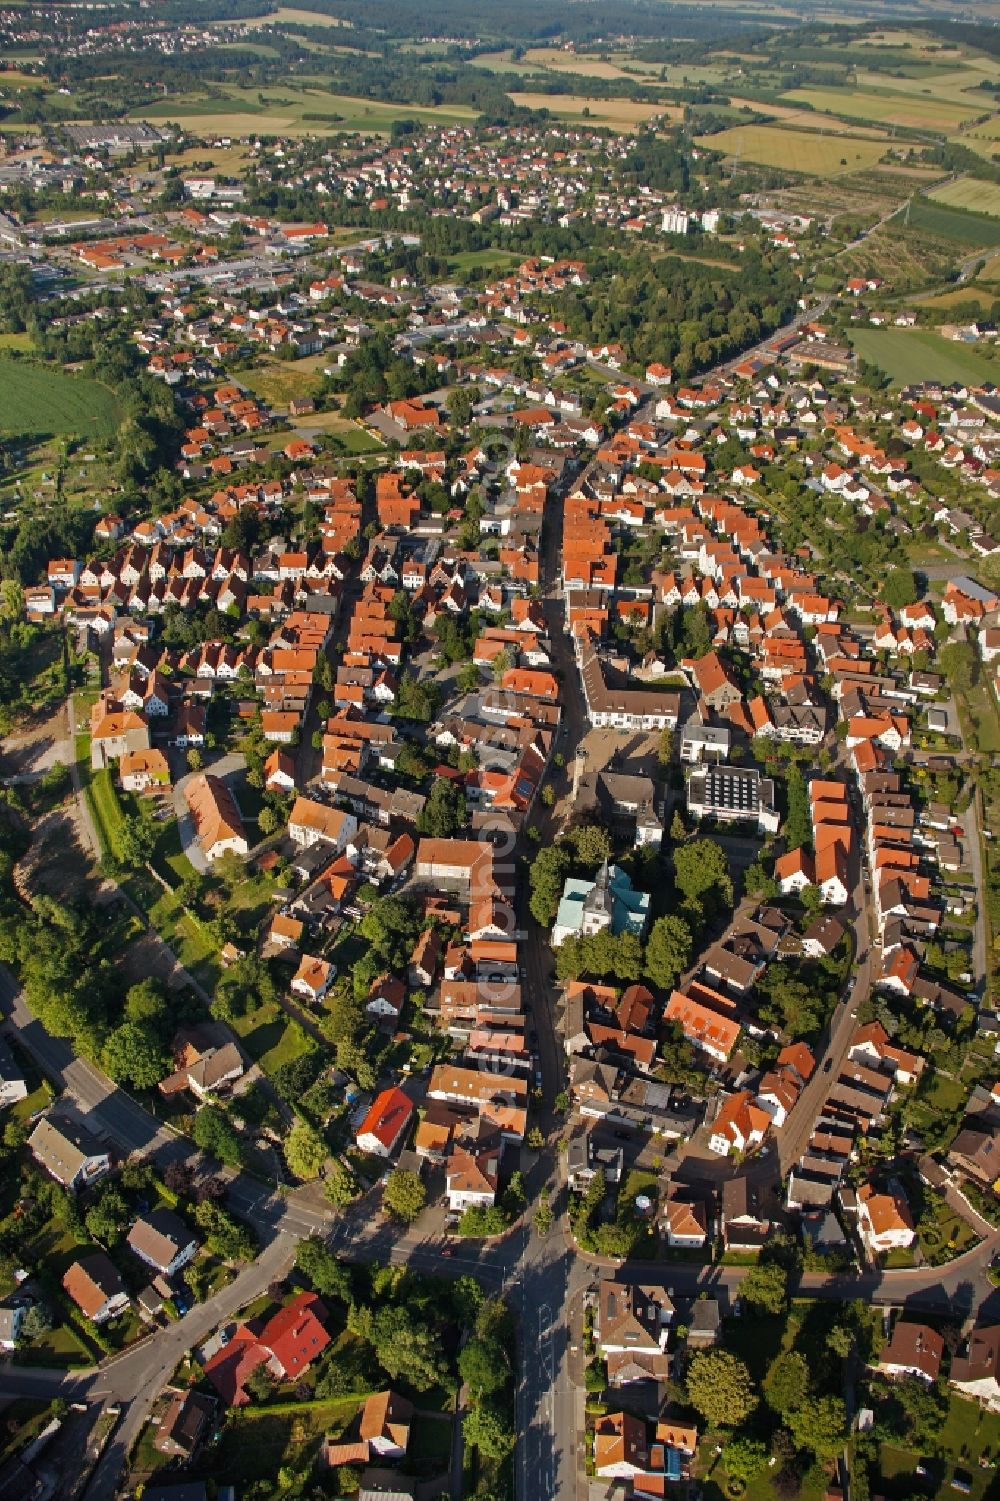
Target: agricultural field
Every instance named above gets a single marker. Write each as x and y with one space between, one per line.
946 223
787 114
617 114
44 400
949 85
890 107
310 111
558 61
971 194
917 354
289 15
943 302
803 151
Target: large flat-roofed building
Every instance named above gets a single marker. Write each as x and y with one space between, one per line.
733 794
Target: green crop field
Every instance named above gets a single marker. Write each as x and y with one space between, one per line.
894 108
917 354
40 399
969 193
803 151
947 223
292 110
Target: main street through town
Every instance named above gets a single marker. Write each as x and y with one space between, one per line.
543 1276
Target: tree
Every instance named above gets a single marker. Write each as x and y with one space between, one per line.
317 1263
405 1347
136 841
820 1424
678 828
483 1365
548 873
444 812
757 882
700 868
798 823
765 1288
592 843
341 1184
145 1002
37 1321
667 951
745 1459
720 1387
957 661
132 1054
404 1195
915 1412
786 1385
268 821
109 1217
225 1237
260 1383
215 1133
305 1150
898 588
195 759
840 1340
488 1431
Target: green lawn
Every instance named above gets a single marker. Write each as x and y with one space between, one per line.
919 354
102 798
271 1038
966 1428
58 1348
430 1438
189 939
255 1443
982 709
483 260
42 399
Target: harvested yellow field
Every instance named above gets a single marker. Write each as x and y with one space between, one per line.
289 13
617 114
559 61
796 150
229 160
13 78
943 301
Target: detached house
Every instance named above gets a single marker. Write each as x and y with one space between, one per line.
68 1152
884 1220
976 1372
217 820
913 1350
386 1123
162 1241
96 1288
631 1328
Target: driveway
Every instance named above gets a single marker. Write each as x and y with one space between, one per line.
226 767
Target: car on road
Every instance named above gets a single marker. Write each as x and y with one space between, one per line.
828 1065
